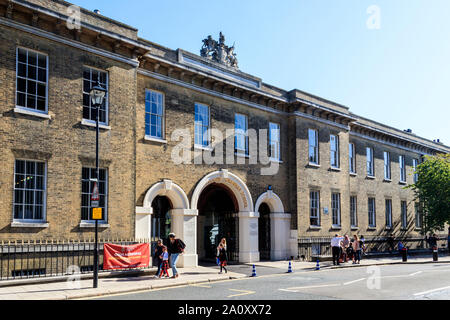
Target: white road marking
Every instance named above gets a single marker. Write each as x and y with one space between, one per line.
200 285
287 290
355 281
415 273
431 291
312 287
244 293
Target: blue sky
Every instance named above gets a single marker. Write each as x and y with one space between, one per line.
398 75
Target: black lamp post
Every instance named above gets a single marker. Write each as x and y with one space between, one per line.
97 95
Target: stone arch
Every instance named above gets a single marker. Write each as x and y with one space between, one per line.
167 188
232 182
272 200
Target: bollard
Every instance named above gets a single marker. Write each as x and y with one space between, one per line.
290 267
318 265
405 254
254 271
435 254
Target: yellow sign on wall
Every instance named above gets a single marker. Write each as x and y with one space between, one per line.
97 214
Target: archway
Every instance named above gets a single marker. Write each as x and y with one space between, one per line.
237 213
172 203
217 218
274 227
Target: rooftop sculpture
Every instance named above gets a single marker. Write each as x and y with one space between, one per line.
219 52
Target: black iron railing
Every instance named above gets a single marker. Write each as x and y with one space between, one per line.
47 258
320 247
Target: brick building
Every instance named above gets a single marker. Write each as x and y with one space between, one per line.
337 171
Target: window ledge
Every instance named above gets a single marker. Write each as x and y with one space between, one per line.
29 112
335 169
403 183
41 225
417 229
313 165
89 225
242 155
198 147
336 228
371 228
353 174
275 160
315 227
371 177
388 228
92 124
387 180
354 228
153 139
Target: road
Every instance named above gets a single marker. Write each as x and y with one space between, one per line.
404 282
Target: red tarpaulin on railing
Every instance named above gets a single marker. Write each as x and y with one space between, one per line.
126 257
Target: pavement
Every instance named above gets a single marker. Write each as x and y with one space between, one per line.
82 288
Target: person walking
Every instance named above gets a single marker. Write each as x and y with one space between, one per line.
175 248
222 255
433 241
336 248
158 252
391 243
345 247
356 250
164 263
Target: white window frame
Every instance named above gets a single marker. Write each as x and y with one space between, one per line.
105 213
106 123
336 209
315 147
387 166
354 211
239 132
44 201
162 116
372 213
402 163
314 206
415 165
352 158
36 80
370 168
334 152
273 143
388 208
200 124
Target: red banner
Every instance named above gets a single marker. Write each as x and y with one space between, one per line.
126 257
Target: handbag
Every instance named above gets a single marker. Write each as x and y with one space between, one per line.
218 261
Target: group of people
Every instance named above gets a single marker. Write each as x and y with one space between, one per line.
173 250
344 249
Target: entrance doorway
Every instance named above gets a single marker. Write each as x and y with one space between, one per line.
161 221
264 232
218 218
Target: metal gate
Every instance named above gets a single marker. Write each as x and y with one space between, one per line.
264 232
225 225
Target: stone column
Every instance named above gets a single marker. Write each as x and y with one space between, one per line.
184 225
280 225
248 237
143 226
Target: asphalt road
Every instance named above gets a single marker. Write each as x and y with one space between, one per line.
404 282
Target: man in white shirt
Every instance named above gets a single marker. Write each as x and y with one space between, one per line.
336 248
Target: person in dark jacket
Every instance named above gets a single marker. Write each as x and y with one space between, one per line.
175 248
223 257
158 252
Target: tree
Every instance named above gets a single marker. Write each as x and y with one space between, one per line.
432 190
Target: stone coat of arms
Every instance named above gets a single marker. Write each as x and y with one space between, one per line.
219 52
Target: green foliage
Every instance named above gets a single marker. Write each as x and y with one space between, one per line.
432 189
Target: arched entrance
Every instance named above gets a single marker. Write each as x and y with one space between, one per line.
218 218
264 232
161 224
242 212
274 227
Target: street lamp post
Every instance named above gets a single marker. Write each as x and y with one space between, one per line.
97 95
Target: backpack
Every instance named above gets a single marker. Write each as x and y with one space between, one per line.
181 245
